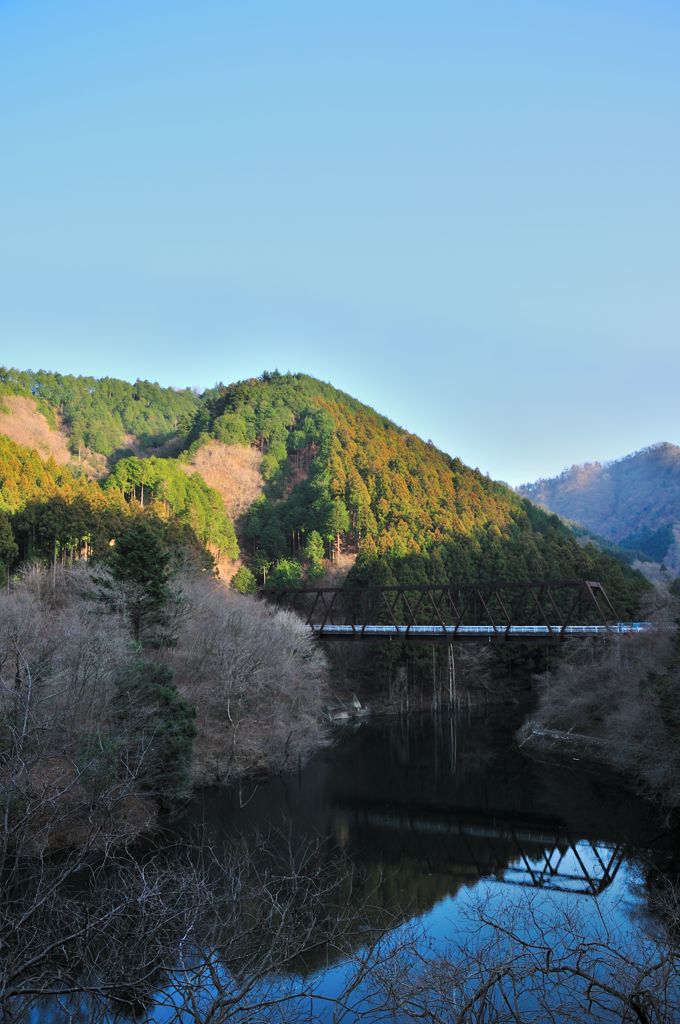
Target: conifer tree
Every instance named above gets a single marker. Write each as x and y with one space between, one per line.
141 562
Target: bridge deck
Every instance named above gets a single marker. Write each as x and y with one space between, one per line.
492 632
494 611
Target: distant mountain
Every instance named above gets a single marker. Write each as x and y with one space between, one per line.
633 501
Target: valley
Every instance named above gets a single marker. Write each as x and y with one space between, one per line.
158 678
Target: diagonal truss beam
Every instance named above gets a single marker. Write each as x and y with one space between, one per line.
501 605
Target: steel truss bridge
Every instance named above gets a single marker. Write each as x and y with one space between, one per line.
500 611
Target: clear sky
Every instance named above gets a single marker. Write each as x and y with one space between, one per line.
467 214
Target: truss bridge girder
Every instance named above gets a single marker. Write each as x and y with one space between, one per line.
545 610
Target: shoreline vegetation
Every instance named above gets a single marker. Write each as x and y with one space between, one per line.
117 697
130 674
618 702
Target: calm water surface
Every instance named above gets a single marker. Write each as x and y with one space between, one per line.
445 814
442 816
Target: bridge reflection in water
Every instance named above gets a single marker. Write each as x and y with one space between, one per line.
427 808
530 853
430 805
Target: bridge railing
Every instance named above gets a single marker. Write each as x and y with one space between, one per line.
553 607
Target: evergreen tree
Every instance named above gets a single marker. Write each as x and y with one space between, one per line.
141 562
314 553
337 523
157 730
244 581
286 575
8 546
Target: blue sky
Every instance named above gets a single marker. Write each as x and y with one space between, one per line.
465 214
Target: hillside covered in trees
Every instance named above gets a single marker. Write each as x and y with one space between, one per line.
343 489
634 501
52 514
102 414
342 478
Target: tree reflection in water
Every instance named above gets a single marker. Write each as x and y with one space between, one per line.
479 887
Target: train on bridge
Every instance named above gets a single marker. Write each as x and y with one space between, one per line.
546 610
479 632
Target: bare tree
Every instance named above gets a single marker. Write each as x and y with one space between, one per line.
60 659
256 678
620 698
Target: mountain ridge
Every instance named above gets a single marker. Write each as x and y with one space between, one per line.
633 501
338 483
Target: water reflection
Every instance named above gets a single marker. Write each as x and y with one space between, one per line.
438 812
514 851
432 804
414 814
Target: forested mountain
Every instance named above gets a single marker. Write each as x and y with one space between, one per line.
49 513
343 488
634 501
99 413
343 478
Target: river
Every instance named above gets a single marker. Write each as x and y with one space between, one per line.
463 852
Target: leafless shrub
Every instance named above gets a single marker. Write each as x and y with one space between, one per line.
625 693
191 933
256 678
59 660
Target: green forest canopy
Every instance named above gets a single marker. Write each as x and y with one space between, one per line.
48 511
338 476
98 412
165 483
411 512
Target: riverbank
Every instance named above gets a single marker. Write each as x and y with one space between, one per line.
617 703
404 840
100 732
